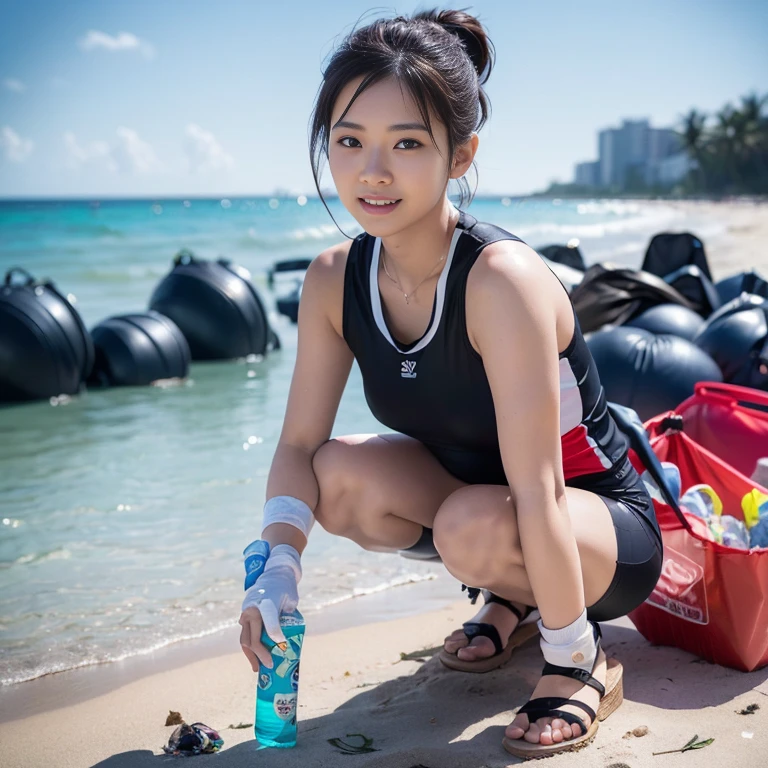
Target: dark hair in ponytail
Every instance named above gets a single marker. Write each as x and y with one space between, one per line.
442 57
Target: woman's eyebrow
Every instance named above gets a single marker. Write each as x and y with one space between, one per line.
408 127
396 127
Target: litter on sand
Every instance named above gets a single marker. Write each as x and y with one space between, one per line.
196 739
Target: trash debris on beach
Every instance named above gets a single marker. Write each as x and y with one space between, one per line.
174 718
692 744
353 749
196 739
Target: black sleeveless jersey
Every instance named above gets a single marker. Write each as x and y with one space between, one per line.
436 390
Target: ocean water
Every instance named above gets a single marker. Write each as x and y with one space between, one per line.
124 512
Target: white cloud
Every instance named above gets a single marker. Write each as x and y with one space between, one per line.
204 151
139 154
128 153
17 149
82 154
123 41
12 84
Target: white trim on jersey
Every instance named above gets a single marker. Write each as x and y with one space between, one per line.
604 460
571 404
439 296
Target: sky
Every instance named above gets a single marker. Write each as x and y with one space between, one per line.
191 97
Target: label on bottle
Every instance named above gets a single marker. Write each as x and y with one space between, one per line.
291 620
285 705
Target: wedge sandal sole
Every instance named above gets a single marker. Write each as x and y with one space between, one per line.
614 696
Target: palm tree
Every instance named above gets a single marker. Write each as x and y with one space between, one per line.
728 145
752 106
755 141
732 155
693 137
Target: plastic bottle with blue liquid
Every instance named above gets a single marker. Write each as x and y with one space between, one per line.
275 723
278 688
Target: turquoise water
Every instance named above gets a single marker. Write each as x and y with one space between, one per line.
124 512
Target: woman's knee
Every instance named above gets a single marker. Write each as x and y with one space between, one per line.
475 532
334 468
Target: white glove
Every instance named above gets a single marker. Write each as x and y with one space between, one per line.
275 592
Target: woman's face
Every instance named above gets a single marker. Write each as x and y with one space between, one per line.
382 152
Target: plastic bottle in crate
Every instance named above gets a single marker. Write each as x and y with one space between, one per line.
671 477
755 508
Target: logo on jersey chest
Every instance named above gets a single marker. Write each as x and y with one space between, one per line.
408 369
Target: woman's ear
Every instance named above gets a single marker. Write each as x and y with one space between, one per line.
463 157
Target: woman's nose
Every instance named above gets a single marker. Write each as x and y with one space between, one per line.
375 171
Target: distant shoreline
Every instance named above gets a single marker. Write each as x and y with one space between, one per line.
534 196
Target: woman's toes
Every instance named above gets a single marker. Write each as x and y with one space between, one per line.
517 727
455 641
547 734
561 730
533 734
479 648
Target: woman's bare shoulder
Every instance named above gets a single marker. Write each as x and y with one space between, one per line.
324 281
335 256
510 281
511 266
331 263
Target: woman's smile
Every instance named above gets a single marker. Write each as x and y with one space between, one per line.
378 206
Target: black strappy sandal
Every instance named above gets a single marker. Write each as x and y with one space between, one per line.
472 629
611 697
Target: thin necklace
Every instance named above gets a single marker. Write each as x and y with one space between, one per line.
408 296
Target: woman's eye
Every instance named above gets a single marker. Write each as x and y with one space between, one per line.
411 144
346 142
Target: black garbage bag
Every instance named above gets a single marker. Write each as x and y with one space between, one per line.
736 336
743 282
669 251
691 281
670 319
617 294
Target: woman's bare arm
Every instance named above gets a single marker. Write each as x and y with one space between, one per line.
512 305
323 362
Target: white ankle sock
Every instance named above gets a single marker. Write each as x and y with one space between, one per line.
571 646
567 634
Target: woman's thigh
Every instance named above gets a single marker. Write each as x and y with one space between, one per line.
477 536
379 490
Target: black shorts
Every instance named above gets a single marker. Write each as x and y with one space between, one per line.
638 538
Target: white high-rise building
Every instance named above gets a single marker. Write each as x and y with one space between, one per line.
606 153
633 155
587 174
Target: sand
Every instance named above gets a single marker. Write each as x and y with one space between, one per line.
743 245
419 714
